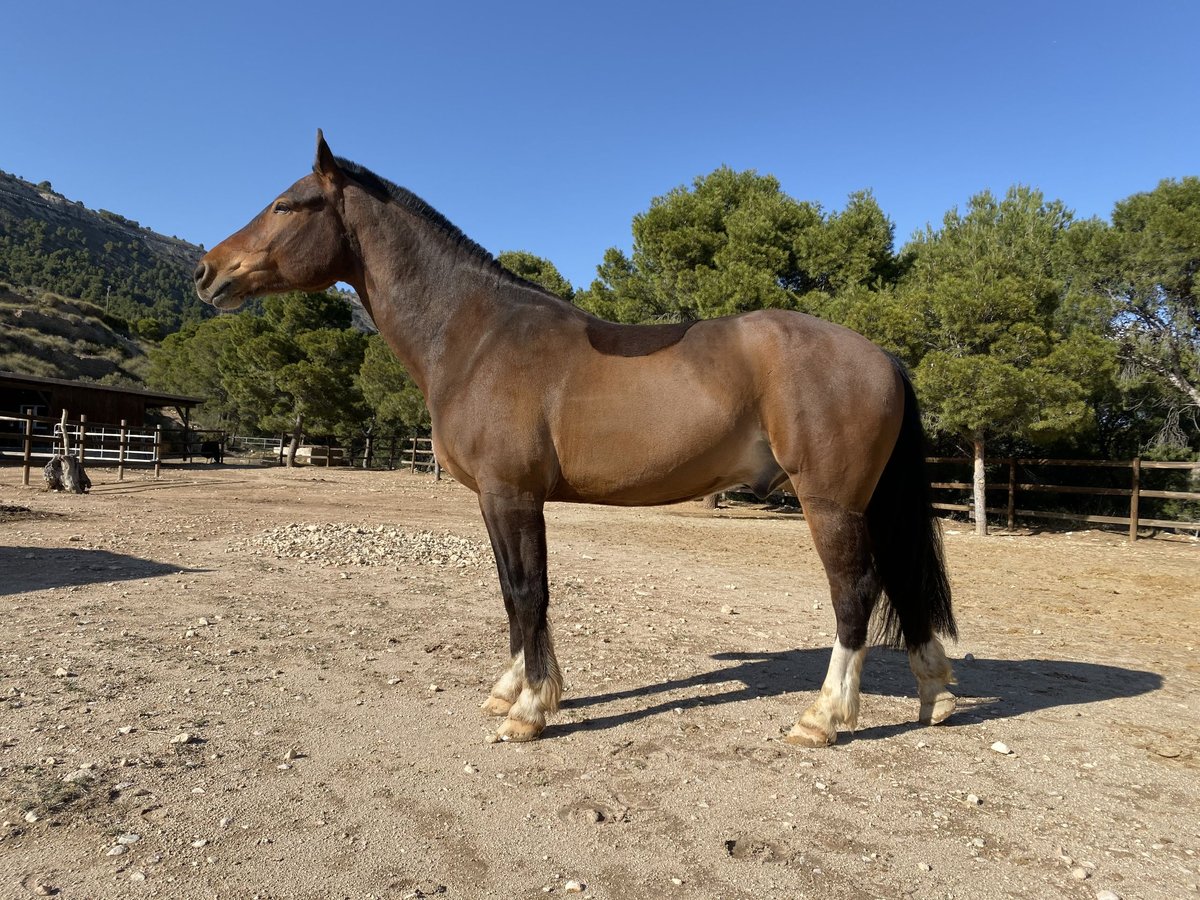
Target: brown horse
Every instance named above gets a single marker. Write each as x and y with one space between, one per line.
533 399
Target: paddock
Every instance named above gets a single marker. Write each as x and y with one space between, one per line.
327 671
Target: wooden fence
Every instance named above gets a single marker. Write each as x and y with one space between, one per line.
1015 486
30 438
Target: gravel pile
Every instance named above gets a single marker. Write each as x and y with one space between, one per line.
342 544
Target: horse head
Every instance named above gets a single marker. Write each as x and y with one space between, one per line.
298 242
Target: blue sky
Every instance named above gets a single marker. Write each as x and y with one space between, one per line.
547 126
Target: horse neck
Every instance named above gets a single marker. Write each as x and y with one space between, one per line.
429 297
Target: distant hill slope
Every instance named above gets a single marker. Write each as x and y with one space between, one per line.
51 242
47 335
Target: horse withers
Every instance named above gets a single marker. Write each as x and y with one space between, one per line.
533 399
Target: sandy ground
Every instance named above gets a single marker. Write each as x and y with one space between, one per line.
335 748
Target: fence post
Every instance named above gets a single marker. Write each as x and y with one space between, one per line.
1012 494
28 446
281 440
413 468
157 451
1134 489
121 451
82 438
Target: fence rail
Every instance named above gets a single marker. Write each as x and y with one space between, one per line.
1134 493
29 438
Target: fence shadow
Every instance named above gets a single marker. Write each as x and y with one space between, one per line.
38 568
987 688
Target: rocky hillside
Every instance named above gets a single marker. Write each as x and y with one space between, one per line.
54 243
47 335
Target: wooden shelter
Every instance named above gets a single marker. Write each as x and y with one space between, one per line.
22 395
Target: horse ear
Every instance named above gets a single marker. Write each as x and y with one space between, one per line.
325 164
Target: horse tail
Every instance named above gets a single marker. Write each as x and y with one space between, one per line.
906 540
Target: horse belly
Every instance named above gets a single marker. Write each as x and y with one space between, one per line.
675 458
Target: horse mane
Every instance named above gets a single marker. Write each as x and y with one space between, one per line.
387 190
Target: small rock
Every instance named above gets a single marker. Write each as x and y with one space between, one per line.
203 620
574 887
1001 748
199 842
1037 631
1079 873
973 800
728 611
226 822
470 770
44 890
129 838
60 672
925 867
435 689
490 739
291 754
137 876
125 729
118 850
183 738
79 776
677 881
31 817
1107 895
976 842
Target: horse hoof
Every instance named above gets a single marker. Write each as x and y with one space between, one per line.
803 735
496 706
938 710
517 731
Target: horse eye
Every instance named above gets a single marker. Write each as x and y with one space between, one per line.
282 207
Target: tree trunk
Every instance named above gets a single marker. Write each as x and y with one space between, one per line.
295 444
66 473
980 488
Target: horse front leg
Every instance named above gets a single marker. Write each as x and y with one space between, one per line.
532 686
508 686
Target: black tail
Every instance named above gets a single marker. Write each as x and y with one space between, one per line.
906 540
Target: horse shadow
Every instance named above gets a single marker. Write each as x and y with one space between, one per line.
987 688
38 568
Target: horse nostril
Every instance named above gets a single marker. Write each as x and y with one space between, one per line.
200 273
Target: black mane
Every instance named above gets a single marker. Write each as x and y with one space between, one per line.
387 190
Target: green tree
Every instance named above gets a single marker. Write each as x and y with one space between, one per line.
734 241
1147 265
538 270
1003 354
293 367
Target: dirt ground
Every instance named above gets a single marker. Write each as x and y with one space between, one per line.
334 746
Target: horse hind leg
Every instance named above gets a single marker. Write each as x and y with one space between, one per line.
929 663
842 542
